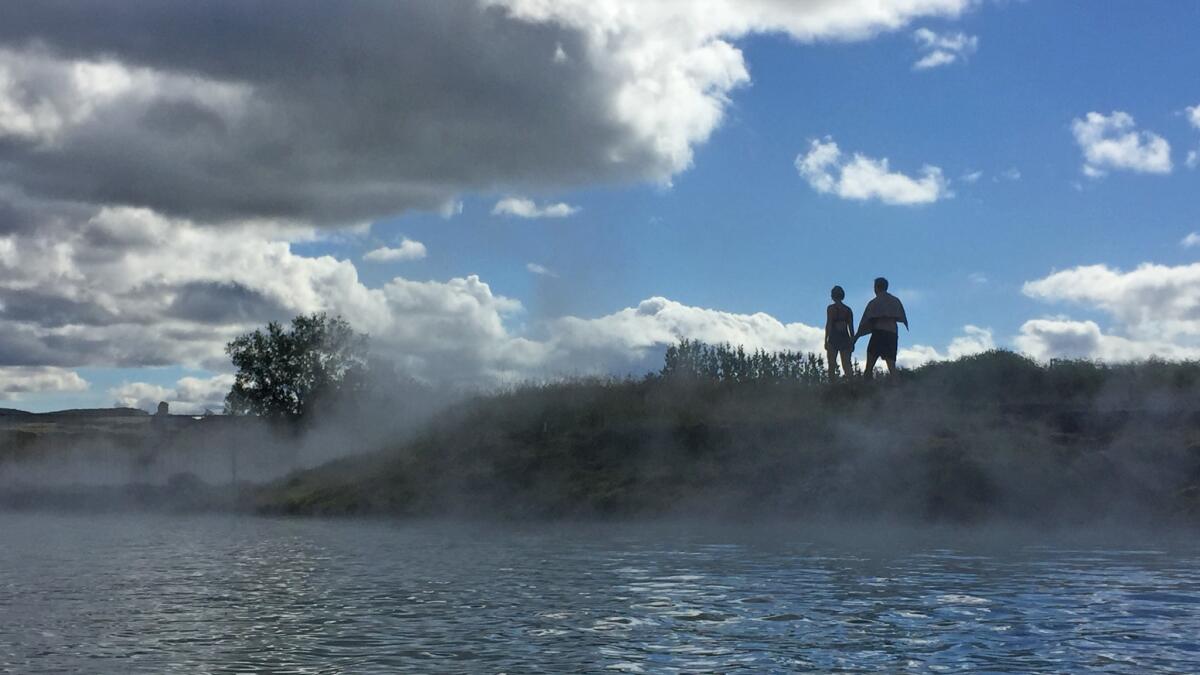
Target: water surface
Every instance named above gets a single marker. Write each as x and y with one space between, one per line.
163 594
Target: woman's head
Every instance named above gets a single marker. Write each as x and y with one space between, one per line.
838 293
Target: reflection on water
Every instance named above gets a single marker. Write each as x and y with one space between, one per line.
160 594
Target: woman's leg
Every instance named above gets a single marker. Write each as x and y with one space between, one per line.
831 357
847 370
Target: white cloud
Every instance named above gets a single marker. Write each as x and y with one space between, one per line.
1011 174
453 207
1192 239
129 288
972 177
190 395
674 63
18 380
1113 142
977 278
526 208
1193 115
1061 337
1157 299
942 49
863 178
627 338
539 270
974 340
1155 309
407 250
1193 159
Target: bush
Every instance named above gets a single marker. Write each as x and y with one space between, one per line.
726 363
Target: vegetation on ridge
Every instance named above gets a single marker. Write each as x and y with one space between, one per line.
283 373
990 435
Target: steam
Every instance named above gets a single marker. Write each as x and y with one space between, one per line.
57 454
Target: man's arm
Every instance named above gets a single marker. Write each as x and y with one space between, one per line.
863 328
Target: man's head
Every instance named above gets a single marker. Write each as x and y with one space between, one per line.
838 293
881 285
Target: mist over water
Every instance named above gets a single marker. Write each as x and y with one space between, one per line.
160 594
65 452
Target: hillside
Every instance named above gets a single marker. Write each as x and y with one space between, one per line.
988 436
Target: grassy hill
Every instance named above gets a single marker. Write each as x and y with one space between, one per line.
717 434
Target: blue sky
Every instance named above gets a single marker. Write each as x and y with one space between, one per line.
740 231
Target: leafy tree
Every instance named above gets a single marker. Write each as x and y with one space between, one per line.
284 373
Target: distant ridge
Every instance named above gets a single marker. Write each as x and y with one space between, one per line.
77 412
98 412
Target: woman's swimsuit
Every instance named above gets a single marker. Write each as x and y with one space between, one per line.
839 332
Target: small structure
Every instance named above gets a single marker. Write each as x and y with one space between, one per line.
163 409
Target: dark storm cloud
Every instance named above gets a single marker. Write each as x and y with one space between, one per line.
323 111
218 302
45 308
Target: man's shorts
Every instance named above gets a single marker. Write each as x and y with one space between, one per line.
883 345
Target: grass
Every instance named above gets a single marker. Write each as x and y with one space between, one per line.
724 433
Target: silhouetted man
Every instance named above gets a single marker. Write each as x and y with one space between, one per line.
882 319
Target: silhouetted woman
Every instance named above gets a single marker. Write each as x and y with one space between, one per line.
839 333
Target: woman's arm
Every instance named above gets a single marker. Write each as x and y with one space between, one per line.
828 324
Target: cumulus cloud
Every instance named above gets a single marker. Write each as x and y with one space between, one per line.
494 94
974 340
1060 337
18 380
124 287
153 190
1193 115
1155 299
527 208
130 288
190 395
635 336
407 250
1192 239
862 178
1113 142
1193 159
1155 310
942 49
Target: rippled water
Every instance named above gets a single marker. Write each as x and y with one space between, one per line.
186 594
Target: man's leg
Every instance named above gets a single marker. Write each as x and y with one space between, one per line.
889 353
869 369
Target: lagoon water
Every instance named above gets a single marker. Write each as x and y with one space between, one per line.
186 594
